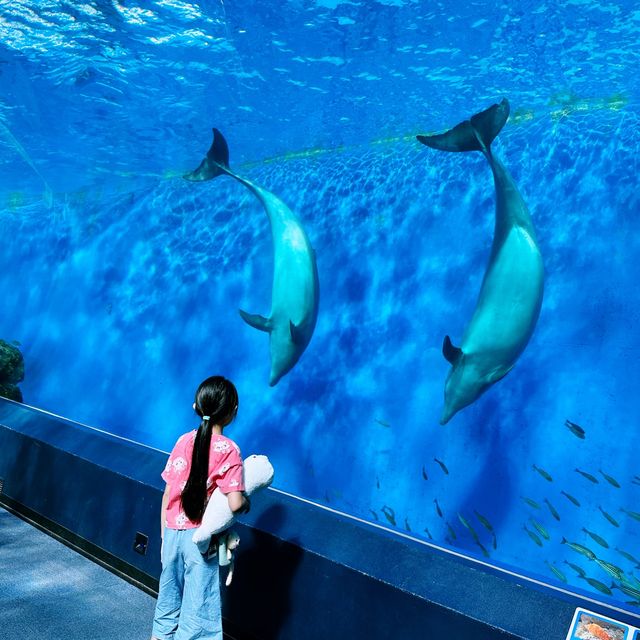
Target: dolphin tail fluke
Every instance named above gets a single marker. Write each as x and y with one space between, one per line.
215 163
475 134
256 321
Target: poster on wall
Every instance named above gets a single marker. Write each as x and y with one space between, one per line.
588 625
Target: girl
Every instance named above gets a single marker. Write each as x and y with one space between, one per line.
189 598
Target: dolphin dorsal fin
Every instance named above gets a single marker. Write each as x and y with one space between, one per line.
452 354
256 321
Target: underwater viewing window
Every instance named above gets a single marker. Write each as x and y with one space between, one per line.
407 231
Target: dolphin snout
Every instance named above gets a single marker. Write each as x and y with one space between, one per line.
447 414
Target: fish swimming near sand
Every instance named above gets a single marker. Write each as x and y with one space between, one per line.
510 297
295 290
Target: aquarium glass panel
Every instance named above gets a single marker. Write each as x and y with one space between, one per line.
413 244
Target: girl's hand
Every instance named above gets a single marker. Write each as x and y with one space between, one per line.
237 502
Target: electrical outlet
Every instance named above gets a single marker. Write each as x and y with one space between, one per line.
140 543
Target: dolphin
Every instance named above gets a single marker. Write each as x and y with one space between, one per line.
511 294
295 291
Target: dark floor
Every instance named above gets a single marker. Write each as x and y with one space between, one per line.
50 592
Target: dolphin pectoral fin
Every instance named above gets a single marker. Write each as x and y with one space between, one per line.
215 163
452 354
497 374
475 134
256 321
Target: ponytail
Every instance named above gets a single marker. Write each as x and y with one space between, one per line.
216 403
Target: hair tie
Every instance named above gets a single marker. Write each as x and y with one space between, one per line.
206 417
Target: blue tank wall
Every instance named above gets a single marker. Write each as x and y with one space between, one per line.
123 290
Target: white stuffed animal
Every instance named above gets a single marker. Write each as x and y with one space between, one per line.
258 474
227 544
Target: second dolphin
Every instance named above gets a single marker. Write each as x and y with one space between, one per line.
511 294
295 292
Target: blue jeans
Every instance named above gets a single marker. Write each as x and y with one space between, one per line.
189 598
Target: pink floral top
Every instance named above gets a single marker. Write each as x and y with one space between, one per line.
225 472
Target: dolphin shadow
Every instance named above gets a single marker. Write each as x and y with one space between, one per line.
257 604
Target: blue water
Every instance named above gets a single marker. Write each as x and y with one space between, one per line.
122 282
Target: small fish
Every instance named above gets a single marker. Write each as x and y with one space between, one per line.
406 524
596 584
629 557
636 480
628 588
570 498
390 514
452 533
540 529
556 572
576 429
495 541
472 531
552 510
533 536
579 570
426 530
485 553
374 514
484 522
599 539
438 509
632 580
530 502
588 476
327 497
632 514
611 569
382 423
443 466
609 517
612 481
543 473
377 482
585 551
424 473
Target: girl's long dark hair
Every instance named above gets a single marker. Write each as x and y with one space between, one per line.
217 399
